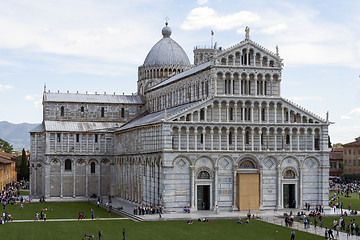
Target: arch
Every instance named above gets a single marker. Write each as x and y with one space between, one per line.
289 173
92 167
67 165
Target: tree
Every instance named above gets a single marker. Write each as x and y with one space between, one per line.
337 145
24 166
5 146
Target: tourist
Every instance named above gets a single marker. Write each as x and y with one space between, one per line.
123 233
36 217
292 234
92 213
45 217
100 235
326 233
330 232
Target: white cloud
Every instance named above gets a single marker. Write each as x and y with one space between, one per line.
36 99
355 111
205 17
4 88
202 2
275 29
345 117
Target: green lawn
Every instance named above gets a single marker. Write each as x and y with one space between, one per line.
24 192
56 210
353 199
164 230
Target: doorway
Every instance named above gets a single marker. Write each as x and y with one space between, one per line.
248 191
203 197
289 200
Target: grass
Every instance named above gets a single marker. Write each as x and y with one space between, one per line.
59 210
24 192
175 230
353 199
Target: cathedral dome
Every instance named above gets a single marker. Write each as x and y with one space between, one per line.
166 52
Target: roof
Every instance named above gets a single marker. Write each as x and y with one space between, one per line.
37 129
7 156
92 98
353 144
156 117
178 76
67 126
337 154
166 52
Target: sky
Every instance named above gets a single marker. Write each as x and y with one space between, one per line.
97 46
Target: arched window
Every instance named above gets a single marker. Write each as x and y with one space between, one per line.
62 111
230 138
122 112
92 167
203 175
247 137
67 165
289 174
247 164
82 109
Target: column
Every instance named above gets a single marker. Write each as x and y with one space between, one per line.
275 140
243 139
227 139
235 112
220 132
232 84
61 178
298 140
219 112
260 113
267 112
74 179
99 174
187 138
282 139
179 138
290 136
300 204
86 180
279 194
288 114
216 185
192 187
227 112
235 135
260 139
282 114
204 138
252 139
252 112
313 140
195 138
267 139
243 113
234 207
205 113
275 113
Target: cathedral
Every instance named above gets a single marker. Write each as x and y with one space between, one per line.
213 133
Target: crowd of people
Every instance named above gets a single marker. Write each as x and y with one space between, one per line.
11 195
148 209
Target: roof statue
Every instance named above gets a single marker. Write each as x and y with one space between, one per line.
247 33
277 50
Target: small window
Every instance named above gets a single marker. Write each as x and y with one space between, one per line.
96 138
231 114
102 112
202 138
67 165
287 139
92 167
82 109
247 137
77 137
62 111
122 112
58 136
230 138
202 114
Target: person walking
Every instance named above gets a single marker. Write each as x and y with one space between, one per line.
326 233
44 217
92 213
292 234
123 233
331 236
100 235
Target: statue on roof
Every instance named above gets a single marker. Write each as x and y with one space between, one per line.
277 50
247 33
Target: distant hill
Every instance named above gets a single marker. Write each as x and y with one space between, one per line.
17 134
